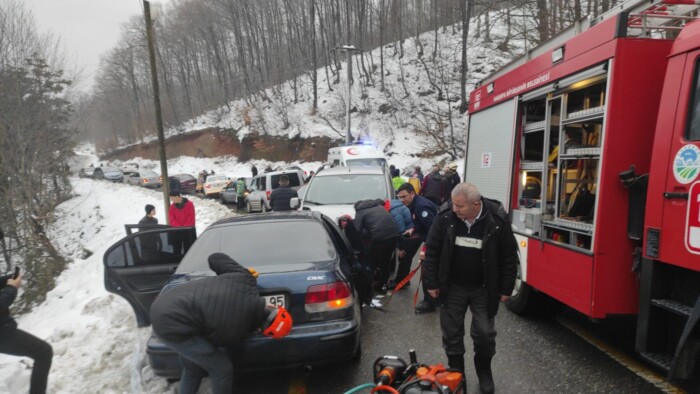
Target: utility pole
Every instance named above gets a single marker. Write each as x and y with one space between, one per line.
348 50
159 115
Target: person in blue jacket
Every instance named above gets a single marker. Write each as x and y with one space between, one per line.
407 242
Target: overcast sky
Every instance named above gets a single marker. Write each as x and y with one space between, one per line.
88 28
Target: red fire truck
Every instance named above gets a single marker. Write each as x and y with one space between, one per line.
592 141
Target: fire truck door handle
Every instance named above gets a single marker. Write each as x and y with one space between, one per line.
672 195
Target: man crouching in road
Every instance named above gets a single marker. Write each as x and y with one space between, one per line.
471 262
198 317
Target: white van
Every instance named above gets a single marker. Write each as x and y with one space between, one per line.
356 155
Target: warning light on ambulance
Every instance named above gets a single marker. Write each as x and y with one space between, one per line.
524 180
523 244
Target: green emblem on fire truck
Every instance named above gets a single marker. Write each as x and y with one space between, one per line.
686 164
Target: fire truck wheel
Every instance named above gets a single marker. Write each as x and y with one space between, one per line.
527 301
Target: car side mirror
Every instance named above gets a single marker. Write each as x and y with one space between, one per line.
294 203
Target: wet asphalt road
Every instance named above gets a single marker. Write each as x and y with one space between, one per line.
536 355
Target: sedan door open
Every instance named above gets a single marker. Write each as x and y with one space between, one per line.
138 266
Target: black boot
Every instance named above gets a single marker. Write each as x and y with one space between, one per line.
483 371
456 361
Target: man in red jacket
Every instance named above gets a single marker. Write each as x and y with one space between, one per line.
181 210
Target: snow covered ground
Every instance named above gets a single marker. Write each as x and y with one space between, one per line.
97 346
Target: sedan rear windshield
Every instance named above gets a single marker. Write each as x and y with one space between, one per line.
260 244
148 174
216 178
346 189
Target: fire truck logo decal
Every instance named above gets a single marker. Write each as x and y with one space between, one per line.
686 164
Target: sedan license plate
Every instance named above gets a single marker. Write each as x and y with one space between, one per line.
275 300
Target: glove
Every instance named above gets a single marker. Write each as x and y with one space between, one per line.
253 272
344 220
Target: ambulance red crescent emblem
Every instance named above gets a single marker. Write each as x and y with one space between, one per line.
353 151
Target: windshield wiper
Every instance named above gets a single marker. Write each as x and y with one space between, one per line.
312 202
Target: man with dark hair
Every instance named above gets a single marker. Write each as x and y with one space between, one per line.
150 217
198 317
181 212
423 212
471 263
279 198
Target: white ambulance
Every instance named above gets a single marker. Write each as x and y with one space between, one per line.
358 154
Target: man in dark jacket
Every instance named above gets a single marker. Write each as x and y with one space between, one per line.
471 263
198 317
17 342
279 198
150 217
423 212
434 187
380 233
451 179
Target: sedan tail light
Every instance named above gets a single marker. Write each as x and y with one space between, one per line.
328 297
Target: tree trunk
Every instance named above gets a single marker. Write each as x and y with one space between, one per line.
465 10
314 61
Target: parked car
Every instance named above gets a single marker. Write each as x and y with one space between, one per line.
188 183
229 195
111 174
334 191
143 178
262 185
86 172
129 168
214 185
314 282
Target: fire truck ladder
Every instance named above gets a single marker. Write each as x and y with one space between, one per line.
661 20
645 18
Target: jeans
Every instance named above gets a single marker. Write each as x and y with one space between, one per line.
199 358
20 343
483 329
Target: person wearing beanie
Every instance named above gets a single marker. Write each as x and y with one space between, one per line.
150 217
197 318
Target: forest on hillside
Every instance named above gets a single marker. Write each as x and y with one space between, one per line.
212 52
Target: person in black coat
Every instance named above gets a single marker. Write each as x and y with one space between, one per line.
380 232
150 217
198 317
17 342
279 198
471 263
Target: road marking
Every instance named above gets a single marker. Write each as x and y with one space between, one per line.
633 365
297 386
